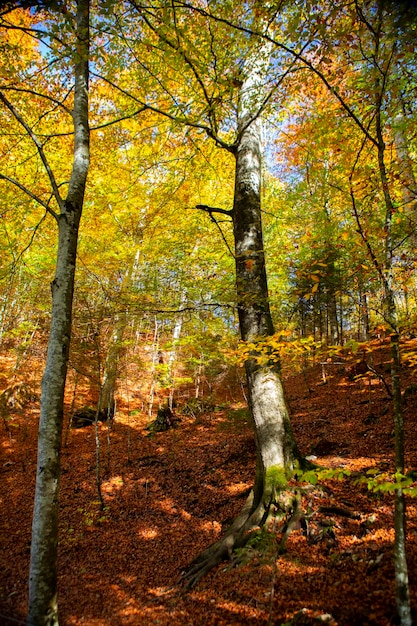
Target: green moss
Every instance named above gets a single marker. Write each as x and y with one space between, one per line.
276 477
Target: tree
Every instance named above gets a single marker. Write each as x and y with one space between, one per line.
190 82
43 608
276 451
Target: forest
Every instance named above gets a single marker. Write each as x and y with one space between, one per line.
208 312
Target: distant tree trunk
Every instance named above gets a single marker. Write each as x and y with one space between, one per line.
331 278
43 607
198 377
274 440
155 356
176 334
363 322
334 335
341 320
111 367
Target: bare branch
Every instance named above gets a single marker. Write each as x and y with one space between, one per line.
296 55
35 230
40 95
184 121
30 194
38 145
187 59
210 209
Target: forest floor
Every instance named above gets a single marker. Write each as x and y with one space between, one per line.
170 495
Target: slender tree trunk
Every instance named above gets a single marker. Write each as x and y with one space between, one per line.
111 367
400 560
405 165
43 607
155 353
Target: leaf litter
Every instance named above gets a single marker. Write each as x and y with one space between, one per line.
167 497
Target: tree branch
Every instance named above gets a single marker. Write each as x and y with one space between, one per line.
39 147
210 210
184 121
40 95
294 53
30 194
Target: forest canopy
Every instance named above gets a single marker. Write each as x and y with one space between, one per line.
193 187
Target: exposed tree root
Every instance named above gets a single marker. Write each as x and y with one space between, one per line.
280 506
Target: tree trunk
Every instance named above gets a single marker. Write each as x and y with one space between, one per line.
265 393
274 441
390 311
43 607
176 334
155 353
111 367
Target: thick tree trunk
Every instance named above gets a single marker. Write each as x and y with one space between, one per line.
43 608
265 393
274 441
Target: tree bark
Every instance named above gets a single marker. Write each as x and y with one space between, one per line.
265 393
43 607
405 164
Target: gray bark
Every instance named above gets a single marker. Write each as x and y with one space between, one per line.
176 334
111 368
155 353
43 607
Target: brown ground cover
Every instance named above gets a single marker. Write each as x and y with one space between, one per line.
169 496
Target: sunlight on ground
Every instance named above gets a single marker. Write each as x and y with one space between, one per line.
115 483
354 465
211 527
168 506
379 536
161 591
236 488
148 533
